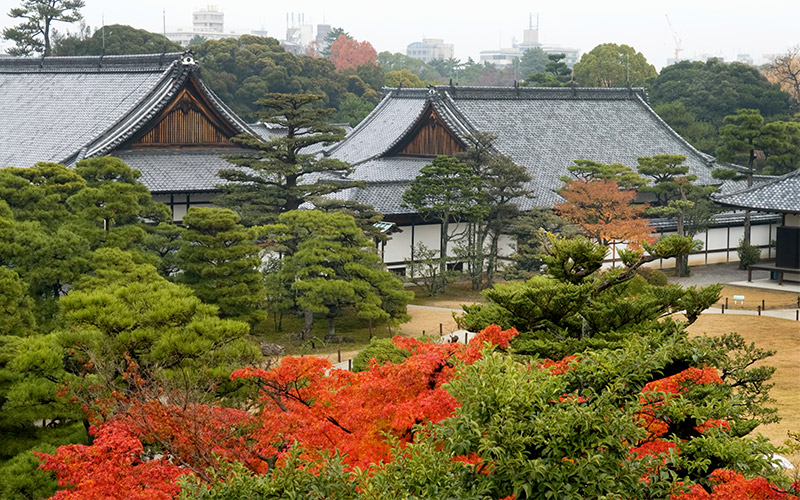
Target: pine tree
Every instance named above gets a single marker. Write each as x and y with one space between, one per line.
330 267
282 174
220 262
446 191
677 196
39 15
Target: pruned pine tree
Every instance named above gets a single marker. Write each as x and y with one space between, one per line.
282 173
33 34
220 262
501 183
330 267
446 191
678 196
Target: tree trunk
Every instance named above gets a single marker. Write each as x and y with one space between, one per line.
443 237
46 33
681 261
491 259
476 259
309 324
751 166
331 336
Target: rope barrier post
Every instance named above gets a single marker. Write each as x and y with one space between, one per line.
723 308
759 310
339 353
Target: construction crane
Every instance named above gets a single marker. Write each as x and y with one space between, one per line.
676 38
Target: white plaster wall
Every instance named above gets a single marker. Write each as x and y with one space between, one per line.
398 248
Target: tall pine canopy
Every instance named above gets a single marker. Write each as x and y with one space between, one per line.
220 262
283 173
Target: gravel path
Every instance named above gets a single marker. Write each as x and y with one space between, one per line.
710 274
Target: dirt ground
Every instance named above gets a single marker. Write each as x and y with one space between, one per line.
428 320
753 297
782 336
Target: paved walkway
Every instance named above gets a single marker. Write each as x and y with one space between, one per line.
730 274
434 308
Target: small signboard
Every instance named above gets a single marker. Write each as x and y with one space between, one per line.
738 299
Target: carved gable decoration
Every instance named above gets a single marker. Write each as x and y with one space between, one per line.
430 136
189 120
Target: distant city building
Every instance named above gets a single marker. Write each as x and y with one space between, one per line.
430 49
322 32
300 38
745 59
530 40
208 23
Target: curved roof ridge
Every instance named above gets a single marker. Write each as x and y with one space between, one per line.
361 125
707 159
68 64
413 123
449 109
144 109
755 187
473 92
224 109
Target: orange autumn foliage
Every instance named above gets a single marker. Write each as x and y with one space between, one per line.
304 401
347 53
604 212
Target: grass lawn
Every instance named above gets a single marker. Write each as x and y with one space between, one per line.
782 336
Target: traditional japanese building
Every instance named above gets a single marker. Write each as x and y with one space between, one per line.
780 195
541 129
153 111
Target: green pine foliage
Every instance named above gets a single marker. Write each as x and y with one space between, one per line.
330 267
220 262
276 178
575 306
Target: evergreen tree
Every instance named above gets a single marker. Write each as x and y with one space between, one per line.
446 191
330 267
556 73
738 141
220 262
33 34
677 196
575 306
501 183
282 174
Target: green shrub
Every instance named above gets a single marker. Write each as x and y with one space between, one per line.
382 350
748 254
653 276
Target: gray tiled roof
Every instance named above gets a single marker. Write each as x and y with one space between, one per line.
781 194
732 186
178 170
542 129
62 109
387 122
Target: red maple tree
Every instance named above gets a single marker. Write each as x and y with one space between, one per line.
604 212
144 445
347 53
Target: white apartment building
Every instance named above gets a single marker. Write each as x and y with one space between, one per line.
430 49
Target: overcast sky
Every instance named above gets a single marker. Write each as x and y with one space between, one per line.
717 28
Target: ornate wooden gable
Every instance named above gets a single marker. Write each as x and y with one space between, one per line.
430 136
190 120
